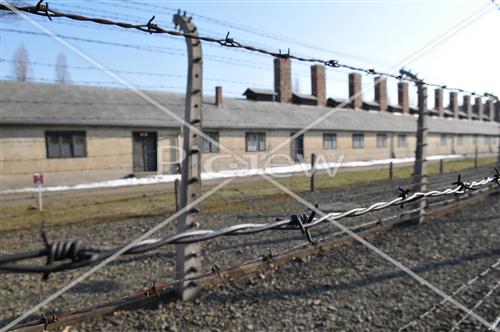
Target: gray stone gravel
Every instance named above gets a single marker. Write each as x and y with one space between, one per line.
348 289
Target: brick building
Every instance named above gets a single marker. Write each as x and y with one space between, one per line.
76 134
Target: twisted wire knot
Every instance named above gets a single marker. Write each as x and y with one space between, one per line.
44 8
60 250
151 26
404 193
227 41
462 186
332 63
496 176
300 220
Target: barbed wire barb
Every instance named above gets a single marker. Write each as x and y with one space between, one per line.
83 255
42 9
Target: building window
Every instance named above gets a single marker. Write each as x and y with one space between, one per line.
486 140
444 140
255 142
474 139
381 140
329 141
460 140
402 140
66 144
211 147
358 141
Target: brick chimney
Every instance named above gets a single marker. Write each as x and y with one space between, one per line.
438 101
283 79
318 84
454 104
467 107
478 108
403 97
355 90
218 95
381 92
490 108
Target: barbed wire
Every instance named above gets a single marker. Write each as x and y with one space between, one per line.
133 72
477 305
219 272
152 49
42 9
112 84
465 285
248 29
83 255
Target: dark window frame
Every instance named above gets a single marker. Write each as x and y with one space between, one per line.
258 135
385 139
402 140
443 140
333 137
59 135
212 148
358 146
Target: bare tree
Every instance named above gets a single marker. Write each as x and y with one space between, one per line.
22 66
62 74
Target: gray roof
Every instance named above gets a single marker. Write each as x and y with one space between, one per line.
339 100
53 104
304 96
261 91
447 111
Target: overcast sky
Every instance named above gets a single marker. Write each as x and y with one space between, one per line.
372 34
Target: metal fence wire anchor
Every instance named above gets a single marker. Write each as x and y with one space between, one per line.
268 257
404 194
156 288
300 220
43 7
462 186
332 63
151 25
496 176
47 320
229 42
217 270
150 291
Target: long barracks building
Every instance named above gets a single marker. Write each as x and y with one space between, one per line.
76 134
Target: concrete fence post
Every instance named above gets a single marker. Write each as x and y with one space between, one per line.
420 167
313 172
176 194
188 256
498 148
476 156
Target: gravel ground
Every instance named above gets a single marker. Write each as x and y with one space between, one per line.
348 289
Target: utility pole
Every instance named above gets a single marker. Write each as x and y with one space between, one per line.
420 167
188 256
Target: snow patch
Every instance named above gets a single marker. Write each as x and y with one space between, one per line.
277 170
